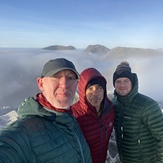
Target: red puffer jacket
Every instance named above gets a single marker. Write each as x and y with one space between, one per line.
97 130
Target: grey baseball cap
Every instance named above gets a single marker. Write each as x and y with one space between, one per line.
56 65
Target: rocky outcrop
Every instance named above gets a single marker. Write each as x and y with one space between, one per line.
98 49
112 153
60 47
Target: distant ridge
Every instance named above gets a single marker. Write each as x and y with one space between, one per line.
125 52
117 52
59 47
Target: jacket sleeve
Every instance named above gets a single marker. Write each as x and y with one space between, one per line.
14 145
153 118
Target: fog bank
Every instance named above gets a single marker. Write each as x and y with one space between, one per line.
21 67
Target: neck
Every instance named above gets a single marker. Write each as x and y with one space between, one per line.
97 108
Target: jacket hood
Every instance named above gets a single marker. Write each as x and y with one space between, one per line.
31 107
87 75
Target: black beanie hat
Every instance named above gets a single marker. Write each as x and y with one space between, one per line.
96 81
123 70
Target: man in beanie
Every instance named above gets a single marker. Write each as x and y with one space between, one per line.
94 112
138 120
45 131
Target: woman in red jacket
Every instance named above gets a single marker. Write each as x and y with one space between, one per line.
94 112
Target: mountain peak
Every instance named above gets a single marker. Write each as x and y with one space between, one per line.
98 49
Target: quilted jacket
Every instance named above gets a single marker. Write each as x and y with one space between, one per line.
97 130
40 136
138 127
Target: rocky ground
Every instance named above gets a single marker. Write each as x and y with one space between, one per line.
112 153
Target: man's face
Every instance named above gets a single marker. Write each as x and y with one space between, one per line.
123 86
95 95
59 89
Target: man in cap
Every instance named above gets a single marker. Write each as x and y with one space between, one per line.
94 112
45 131
138 120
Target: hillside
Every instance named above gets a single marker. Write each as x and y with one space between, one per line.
126 52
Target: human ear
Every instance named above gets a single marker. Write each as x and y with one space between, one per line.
40 83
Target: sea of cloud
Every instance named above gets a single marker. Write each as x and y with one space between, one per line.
21 67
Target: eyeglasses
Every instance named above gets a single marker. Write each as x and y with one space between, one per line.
70 79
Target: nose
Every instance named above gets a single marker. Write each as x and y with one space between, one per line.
122 84
95 91
63 81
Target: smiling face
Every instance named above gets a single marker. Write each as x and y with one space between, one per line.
123 86
59 89
95 95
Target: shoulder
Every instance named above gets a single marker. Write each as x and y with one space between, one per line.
27 106
147 105
77 110
145 100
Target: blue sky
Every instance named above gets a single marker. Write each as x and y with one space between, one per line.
112 23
